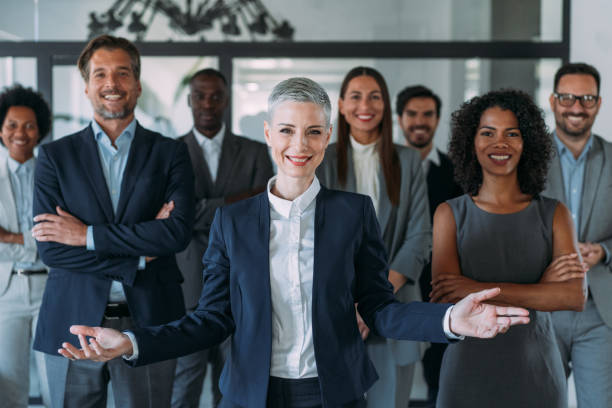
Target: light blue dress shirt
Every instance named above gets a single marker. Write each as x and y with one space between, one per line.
113 162
573 181
22 182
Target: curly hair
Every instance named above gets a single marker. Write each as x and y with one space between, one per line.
537 143
17 95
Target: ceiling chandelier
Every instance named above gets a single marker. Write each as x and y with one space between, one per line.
233 16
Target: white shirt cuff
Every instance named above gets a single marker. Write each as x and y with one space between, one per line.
446 324
134 355
91 246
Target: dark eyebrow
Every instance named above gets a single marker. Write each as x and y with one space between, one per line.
487 127
285 124
315 126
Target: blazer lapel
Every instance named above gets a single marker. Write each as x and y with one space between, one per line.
227 161
384 205
592 178
139 152
261 265
351 181
9 205
203 179
90 162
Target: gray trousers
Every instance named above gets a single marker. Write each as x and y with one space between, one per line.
394 383
190 373
84 383
19 306
585 343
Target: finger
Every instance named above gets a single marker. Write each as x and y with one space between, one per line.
61 212
73 351
99 350
511 311
171 205
66 354
84 330
84 346
572 275
442 277
485 294
46 217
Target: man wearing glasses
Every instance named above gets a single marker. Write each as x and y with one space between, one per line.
580 176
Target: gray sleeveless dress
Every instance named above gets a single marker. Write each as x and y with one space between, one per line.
521 368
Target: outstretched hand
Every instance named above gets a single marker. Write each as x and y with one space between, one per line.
471 317
104 344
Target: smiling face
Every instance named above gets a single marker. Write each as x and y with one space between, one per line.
298 136
419 121
575 121
498 142
112 86
362 106
20 133
208 99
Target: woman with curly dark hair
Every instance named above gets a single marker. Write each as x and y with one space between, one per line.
24 119
503 233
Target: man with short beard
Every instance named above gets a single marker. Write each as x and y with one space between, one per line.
113 203
580 176
418 114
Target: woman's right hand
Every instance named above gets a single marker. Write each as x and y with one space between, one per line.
104 344
564 268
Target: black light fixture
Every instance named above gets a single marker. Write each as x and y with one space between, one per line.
254 18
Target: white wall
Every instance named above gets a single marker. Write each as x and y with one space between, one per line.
591 42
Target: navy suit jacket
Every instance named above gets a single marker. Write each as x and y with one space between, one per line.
69 174
350 265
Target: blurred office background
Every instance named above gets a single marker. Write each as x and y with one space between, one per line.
459 48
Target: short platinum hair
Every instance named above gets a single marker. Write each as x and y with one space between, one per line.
300 89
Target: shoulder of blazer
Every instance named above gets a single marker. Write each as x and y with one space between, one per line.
3 167
245 141
603 144
407 155
69 141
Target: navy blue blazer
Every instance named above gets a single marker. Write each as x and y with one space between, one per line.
69 174
350 265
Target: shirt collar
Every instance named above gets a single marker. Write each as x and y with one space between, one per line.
563 150
15 166
284 207
216 140
125 137
367 149
433 156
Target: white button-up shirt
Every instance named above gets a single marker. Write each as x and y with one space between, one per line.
291 274
366 163
211 148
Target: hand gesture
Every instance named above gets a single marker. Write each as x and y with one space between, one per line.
471 317
104 344
563 268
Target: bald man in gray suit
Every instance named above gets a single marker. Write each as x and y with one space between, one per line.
227 168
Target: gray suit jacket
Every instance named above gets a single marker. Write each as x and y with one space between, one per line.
244 165
406 229
595 215
11 253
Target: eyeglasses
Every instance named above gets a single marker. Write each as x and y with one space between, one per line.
568 99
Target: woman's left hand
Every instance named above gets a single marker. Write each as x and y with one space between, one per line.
451 288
